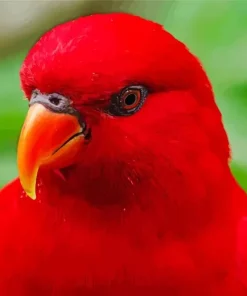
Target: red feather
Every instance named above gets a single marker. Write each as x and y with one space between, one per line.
151 206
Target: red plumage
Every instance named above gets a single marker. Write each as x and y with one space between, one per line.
150 206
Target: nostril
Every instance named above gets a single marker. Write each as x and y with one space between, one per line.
55 101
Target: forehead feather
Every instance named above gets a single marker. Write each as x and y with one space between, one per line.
101 53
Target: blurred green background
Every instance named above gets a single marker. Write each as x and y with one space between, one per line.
216 31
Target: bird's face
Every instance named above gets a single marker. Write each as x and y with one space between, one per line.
102 93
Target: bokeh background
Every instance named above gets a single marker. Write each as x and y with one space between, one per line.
216 31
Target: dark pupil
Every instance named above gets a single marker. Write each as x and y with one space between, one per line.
130 99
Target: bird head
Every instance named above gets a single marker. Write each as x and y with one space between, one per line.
118 93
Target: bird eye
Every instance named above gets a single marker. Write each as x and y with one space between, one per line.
128 101
131 98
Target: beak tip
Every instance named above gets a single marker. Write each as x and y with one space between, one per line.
28 184
31 194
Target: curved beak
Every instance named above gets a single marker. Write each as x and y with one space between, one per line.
47 138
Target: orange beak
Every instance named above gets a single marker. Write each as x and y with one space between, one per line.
47 138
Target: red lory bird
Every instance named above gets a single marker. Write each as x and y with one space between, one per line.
124 183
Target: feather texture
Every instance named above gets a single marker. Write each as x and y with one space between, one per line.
151 206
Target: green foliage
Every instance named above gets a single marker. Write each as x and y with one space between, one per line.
214 30
12 113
